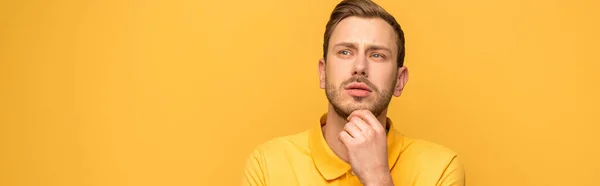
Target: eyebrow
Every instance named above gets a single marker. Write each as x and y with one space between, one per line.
369 47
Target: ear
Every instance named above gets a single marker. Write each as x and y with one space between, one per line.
402 79
322 76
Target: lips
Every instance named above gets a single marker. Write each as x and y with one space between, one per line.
358 89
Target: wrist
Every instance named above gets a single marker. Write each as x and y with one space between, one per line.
384 179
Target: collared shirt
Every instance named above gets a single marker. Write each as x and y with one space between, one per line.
306 159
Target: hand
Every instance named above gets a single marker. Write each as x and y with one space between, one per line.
366 141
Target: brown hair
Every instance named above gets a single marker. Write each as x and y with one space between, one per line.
364 9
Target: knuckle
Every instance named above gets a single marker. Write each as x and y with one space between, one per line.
368 130
360 140
346 127
372 135
380 131
377 129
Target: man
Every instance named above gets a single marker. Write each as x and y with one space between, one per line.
355 143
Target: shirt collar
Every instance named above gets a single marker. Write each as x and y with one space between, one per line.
330 165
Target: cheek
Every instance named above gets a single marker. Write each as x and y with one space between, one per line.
384 78
334 79
337 73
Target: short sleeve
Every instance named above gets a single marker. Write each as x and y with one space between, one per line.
254 170
454 175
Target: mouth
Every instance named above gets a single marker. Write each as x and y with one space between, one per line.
358 89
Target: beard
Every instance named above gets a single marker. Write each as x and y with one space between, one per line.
380 99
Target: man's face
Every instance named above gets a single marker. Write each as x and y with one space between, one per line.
361 71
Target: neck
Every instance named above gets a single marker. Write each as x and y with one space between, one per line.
335 124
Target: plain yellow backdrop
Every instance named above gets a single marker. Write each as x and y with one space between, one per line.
105 92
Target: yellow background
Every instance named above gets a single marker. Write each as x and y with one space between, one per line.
100 92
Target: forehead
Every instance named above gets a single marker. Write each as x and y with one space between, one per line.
364 31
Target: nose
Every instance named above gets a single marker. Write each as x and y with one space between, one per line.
360 66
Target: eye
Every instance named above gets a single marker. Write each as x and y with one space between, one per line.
378 56
344 54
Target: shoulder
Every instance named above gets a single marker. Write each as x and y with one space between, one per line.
426 148
296 143
272 155
434 163
426 154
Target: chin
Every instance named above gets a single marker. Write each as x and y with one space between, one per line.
353 105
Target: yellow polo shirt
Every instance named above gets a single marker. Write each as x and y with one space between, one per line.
306 159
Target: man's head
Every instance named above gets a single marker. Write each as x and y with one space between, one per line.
363 56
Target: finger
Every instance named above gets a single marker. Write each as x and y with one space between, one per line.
344 137
360 124
353 130
368 117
